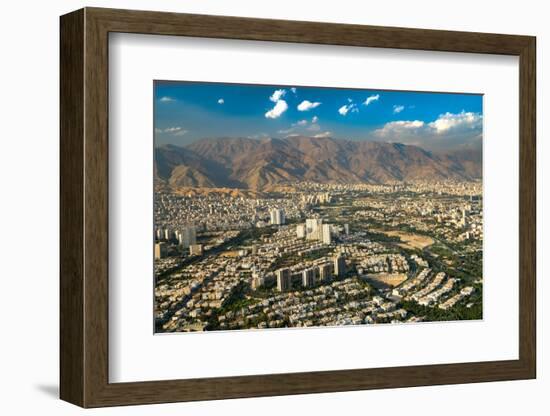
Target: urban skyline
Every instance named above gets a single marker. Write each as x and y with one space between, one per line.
309 230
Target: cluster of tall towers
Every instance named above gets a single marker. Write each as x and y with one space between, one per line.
311 275
277 216
314 229
185 236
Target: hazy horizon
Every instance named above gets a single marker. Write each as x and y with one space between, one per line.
474 144
186 112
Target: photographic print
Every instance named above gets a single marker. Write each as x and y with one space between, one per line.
281 206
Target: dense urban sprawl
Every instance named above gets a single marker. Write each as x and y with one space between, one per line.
318 255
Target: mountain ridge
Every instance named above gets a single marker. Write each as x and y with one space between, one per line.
257 164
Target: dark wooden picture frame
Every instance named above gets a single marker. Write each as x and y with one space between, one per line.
84 207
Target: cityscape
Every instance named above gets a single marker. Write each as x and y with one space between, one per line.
298 228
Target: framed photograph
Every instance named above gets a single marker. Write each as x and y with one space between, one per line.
257 207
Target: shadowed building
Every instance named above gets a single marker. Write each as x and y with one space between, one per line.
325 234
339 266
284 279
325 272
308 277
187 236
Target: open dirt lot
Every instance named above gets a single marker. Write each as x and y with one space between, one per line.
411 241
384 280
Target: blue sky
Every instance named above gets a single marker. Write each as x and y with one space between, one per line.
188 111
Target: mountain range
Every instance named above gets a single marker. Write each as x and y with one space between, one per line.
262 164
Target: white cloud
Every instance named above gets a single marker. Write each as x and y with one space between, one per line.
323 135
461 121
307 105
280 107
174 131
221 101
398 108
411 124
314 127
302 126
277 95
293 89
396 128
447 130
371 99
166 99
345 109
445 123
